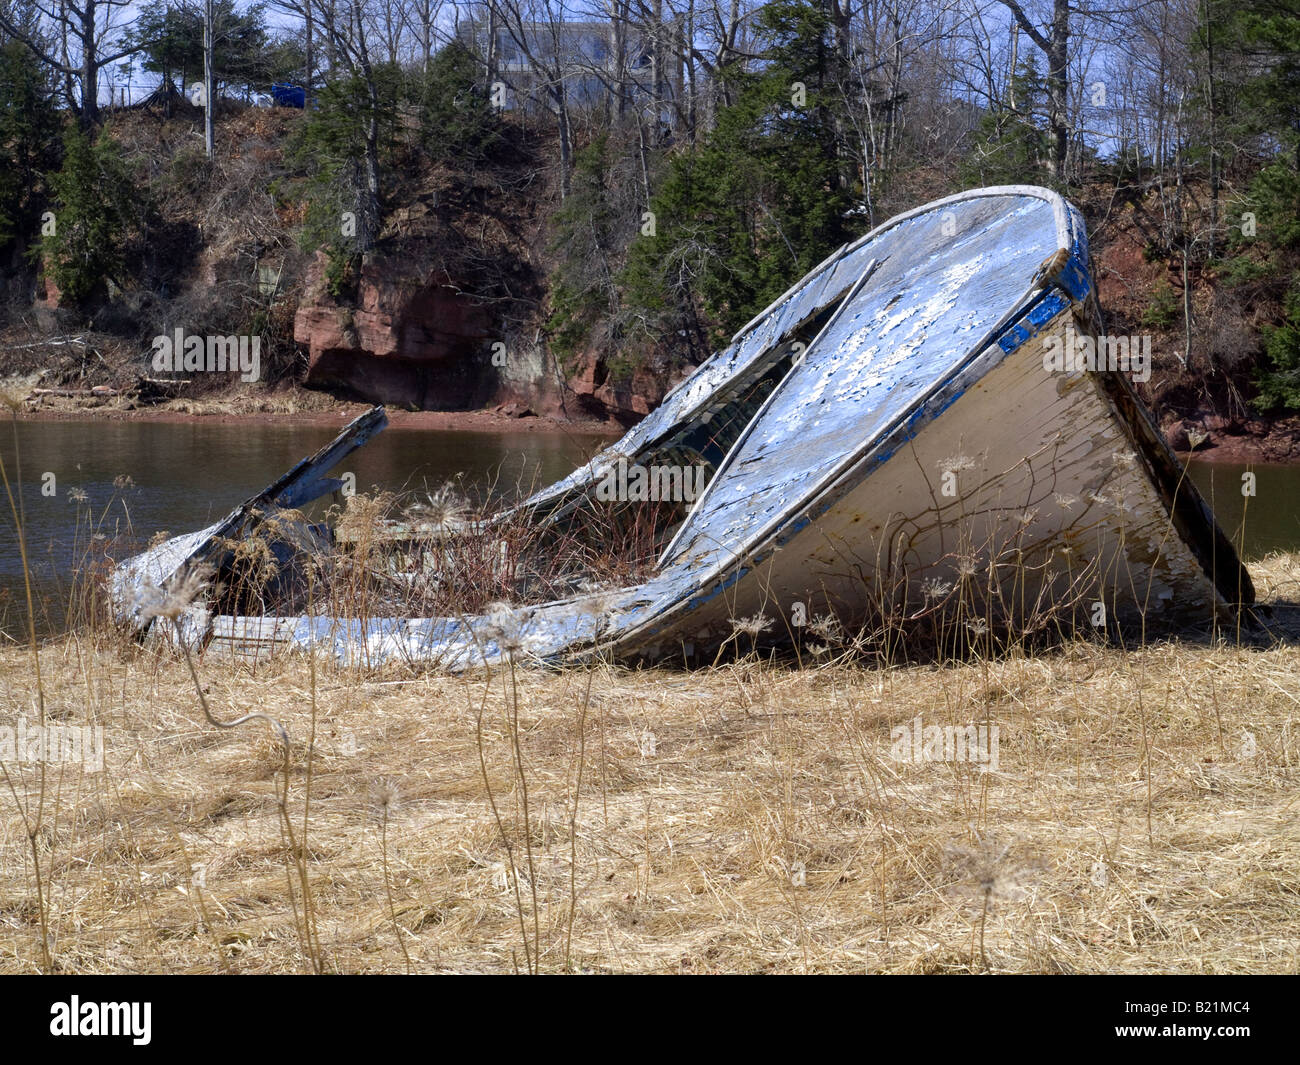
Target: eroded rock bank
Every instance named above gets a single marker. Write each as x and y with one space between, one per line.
417 342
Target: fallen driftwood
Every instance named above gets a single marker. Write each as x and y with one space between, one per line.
50 342
95 391
151 389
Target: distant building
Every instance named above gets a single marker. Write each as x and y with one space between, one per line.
528 56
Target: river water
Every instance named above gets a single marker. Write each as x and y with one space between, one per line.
186 475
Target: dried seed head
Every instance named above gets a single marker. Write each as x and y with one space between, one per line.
933 588
600 604
444 511
987 870
827 626
175 597
502 627
751 626
385 797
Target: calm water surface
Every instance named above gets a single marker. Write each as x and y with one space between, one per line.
1266 522
187 475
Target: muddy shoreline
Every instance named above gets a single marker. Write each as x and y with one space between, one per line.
1279 447
1276 443
482 421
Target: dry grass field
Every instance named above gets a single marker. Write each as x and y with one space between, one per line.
1143 816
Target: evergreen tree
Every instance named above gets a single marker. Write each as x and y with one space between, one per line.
29 128
328 150
1259 42
592 226
456 121
763 199
1013 143
171 40
96 213
453 125
1265 35
1279 379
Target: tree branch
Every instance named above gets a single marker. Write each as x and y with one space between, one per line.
1036 35
40 53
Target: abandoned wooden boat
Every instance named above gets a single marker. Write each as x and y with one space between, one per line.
932 427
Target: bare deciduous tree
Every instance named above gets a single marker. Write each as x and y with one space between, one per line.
89 40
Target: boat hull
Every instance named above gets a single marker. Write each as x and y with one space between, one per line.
920 464
1026 504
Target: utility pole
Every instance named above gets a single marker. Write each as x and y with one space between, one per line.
209 138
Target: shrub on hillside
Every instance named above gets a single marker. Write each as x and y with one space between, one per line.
97 210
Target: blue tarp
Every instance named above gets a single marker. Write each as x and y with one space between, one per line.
289 95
